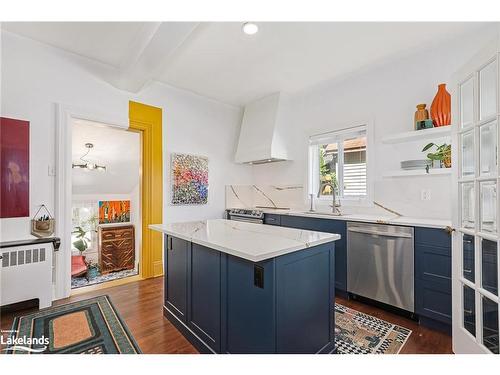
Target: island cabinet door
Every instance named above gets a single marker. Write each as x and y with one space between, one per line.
204 289
248 306
176 266
305 290
329 226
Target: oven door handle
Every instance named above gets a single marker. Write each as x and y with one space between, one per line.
246 220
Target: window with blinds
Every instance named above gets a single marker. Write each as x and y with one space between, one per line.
338 159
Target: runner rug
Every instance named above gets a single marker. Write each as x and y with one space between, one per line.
359 333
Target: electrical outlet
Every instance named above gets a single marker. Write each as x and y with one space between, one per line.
425 194
51 170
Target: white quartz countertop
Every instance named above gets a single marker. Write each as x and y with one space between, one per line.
368 218
254 242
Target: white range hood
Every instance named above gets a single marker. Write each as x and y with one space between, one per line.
263 131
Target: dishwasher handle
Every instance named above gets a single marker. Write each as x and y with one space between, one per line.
377 233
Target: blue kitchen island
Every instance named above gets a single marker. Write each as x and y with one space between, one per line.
235 287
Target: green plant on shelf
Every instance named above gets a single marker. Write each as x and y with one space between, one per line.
442 153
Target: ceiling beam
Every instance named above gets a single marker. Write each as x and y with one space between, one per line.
149 54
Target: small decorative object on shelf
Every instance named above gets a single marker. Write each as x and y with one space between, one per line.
43 225
441 107
443 154
425 124
421 115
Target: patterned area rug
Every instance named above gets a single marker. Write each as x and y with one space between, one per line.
78 282
92 326
364 334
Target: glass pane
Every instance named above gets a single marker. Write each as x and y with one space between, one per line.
466 102
488 90
328 167
468 154
468 202
468 257
489 269
488 148
488 206
470 310
355 167
490 325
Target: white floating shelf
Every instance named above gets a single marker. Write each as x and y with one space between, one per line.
418 135
417 172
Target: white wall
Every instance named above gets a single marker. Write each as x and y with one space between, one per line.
387 95
35 77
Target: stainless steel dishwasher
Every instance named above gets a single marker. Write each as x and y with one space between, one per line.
380 263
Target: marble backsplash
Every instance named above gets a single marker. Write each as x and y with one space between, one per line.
292 197
265 196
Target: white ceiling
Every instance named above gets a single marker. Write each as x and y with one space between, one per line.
218 61
117 149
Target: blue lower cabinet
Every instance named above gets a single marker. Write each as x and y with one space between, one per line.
251 311
272 219
329 226
433 277
204 289
225 304
305 279
176 267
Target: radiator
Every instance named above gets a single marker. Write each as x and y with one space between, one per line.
26 273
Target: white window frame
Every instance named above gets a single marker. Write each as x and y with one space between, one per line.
338 136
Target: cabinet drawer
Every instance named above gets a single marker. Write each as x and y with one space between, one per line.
433 237
432 263
107 235
433 302
272 219
115 234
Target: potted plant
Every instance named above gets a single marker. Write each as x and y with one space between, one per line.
81 234
442 153
81 243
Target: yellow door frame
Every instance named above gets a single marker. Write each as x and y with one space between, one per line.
147 120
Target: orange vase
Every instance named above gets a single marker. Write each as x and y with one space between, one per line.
441 107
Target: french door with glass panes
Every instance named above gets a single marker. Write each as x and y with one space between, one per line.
476 269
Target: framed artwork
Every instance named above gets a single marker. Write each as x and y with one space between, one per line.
189 179
14 168
112 212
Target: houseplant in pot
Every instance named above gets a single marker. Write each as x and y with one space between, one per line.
82 241
442 153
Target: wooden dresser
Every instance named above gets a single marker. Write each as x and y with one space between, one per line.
116 248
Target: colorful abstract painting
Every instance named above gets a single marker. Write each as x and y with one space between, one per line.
189 179
14 168
114 212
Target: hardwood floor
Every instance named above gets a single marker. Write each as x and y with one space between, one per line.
140 305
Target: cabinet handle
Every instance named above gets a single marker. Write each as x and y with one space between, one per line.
468 312
169 243
468 271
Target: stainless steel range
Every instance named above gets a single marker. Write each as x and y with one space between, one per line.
247 215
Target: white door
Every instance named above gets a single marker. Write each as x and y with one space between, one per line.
476 269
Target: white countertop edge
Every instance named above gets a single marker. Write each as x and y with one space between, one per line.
403 220
158 227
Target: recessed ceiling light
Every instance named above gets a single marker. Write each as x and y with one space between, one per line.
250 28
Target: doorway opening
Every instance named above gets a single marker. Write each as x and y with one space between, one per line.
106 203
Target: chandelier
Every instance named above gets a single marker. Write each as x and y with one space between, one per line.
86 164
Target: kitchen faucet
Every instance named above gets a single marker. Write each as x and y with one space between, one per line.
335 210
